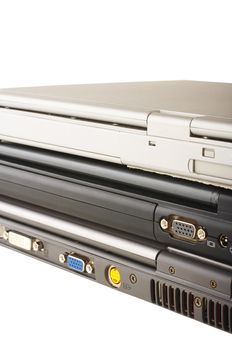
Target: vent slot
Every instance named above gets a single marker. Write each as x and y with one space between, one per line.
172 298
204 311
165 296
158 293
153 292
177 300
217 314
184 303
213 313
225 318
191 305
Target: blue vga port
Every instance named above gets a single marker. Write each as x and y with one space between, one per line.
75 263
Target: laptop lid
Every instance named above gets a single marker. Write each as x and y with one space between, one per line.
127 103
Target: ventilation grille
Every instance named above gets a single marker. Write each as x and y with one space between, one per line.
217 314
172 298
179 300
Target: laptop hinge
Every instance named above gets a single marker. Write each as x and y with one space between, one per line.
212 128
182 126
170 124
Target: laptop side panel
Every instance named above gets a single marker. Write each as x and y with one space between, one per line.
187 285
165 146
127 214
200 231
103 174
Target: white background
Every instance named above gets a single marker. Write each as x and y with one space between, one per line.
63 42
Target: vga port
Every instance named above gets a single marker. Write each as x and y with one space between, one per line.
183 228
75 263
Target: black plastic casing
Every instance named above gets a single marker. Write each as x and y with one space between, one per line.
189 285
128 200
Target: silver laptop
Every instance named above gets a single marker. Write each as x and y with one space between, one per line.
179 128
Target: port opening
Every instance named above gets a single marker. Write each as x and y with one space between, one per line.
113 276
183 229
223 241
76 262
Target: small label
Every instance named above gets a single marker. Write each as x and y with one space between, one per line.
211 244
126 286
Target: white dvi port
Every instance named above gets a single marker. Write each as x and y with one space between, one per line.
20 240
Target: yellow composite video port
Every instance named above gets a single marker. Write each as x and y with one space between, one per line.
114 276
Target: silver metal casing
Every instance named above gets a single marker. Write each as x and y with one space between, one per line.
180 128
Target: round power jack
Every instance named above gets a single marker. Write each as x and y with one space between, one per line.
223 241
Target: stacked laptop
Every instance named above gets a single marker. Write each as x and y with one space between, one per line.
128 185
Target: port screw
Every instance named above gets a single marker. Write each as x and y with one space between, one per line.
2 231
197 302
133 278
213 284
172 270
5 235
37 245
62 258
89 267
201 234
164 224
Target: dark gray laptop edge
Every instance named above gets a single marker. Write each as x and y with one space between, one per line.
200 224
188 285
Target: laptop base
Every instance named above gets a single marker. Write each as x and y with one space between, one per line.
205 296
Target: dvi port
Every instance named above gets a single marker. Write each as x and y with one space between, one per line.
184 229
